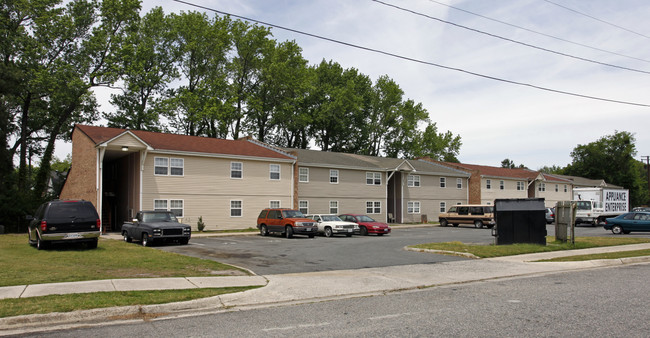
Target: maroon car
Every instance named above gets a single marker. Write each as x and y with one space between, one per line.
367 225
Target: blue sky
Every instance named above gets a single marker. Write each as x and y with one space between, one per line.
496 120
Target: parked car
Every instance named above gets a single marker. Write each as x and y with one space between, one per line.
628 222
156 226
64 221
330 225
479 215
288 222
367 225
550 215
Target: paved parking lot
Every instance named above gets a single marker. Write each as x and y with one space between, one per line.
277 255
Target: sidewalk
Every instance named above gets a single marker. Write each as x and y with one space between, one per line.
289 288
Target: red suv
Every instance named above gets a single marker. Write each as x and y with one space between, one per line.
289 222
367 225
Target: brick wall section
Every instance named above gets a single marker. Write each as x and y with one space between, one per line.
81 181
295 181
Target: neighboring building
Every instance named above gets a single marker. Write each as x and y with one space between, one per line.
490 183
387 189
227 182
581 182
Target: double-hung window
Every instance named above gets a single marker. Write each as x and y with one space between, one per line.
373 207
443 182
161 166
459 183
502 185
488 184
443 207
413 180
274 172
413 207
373 178
236 208
236 170
175 206
303 205
176 166
303 174
334 207
334 176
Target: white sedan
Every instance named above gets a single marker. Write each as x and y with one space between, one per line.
330 225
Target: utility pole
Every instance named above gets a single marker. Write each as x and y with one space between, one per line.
647 166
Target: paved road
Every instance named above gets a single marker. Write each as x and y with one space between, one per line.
277 255
609 302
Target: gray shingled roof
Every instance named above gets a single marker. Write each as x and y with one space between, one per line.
586 182
319 158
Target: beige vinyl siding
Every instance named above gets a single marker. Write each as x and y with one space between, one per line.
207 189
430 194
550 196
351 192
510 189
126 140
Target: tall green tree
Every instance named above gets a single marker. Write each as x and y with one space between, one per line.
147 58
198 106
281 87
612 158
250 45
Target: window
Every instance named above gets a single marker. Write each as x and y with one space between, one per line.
373 207
160 165
541 187
236 170
413 180
565 188
443 182
488 184
334 207
557 187
520 186
176 166
235 208
373 178
303 174
459 183
502 185
334 176
274 171
413 207
443 207
160 205
303 206
176 206
274 204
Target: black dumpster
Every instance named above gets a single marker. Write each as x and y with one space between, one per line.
521 220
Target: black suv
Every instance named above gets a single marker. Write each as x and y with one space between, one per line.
64 222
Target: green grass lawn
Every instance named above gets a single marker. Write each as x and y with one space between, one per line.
21 263
84 301
487 251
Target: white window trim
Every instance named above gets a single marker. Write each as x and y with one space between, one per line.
240 170
330 207
334 171
279 172
300 175
443 182
442 207
171 159
182 209
307 207
374 177
373 207
459 183
488 184
273 206
411 181
413 206
502 185
241 209
156 166
168 205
